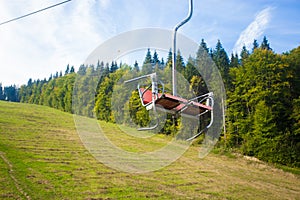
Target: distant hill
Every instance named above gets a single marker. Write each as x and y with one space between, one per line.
42 157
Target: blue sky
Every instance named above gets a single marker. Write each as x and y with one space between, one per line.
41 44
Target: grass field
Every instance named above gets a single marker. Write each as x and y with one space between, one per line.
42 157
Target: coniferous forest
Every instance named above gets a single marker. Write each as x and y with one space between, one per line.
262 88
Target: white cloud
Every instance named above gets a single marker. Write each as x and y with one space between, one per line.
41 44
104 3
254 30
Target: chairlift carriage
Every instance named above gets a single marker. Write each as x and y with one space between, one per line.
154 97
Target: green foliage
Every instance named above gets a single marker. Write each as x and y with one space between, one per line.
11 93
198 85
234 60
293 58
260 107
244 54
103 100
255 45
203 46
171 125
293 137
136 66
221 60
263 96
265 44
258 141
190 69
138 113
169 59
1 92
148 58
180 66
155 59
103 106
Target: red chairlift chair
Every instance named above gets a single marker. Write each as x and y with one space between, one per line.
154 97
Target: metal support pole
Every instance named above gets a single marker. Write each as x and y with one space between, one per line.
174 45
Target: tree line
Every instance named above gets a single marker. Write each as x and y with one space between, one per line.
9 93
262 88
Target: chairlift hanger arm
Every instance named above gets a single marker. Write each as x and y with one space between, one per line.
189 16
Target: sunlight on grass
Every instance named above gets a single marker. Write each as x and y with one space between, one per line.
49 161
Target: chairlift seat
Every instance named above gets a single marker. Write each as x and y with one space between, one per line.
174 104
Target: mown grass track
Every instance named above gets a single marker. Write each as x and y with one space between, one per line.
42 157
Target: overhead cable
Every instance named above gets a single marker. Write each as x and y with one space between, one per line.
32 13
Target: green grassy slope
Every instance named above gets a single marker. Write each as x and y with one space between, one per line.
42 157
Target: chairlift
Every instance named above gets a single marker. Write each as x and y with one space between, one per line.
154 97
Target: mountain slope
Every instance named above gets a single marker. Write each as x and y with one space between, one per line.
42 157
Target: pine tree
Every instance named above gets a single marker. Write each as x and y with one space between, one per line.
50 78
67 70
169 59
1 92
148 58
82 70
265 44
100 67
210 52
11 93
29 82
56 75
162 62
179 62
106 71
234 60
244 54
203 45
72 70
190 70
222 61
136 66
255 45
155 59
113 67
